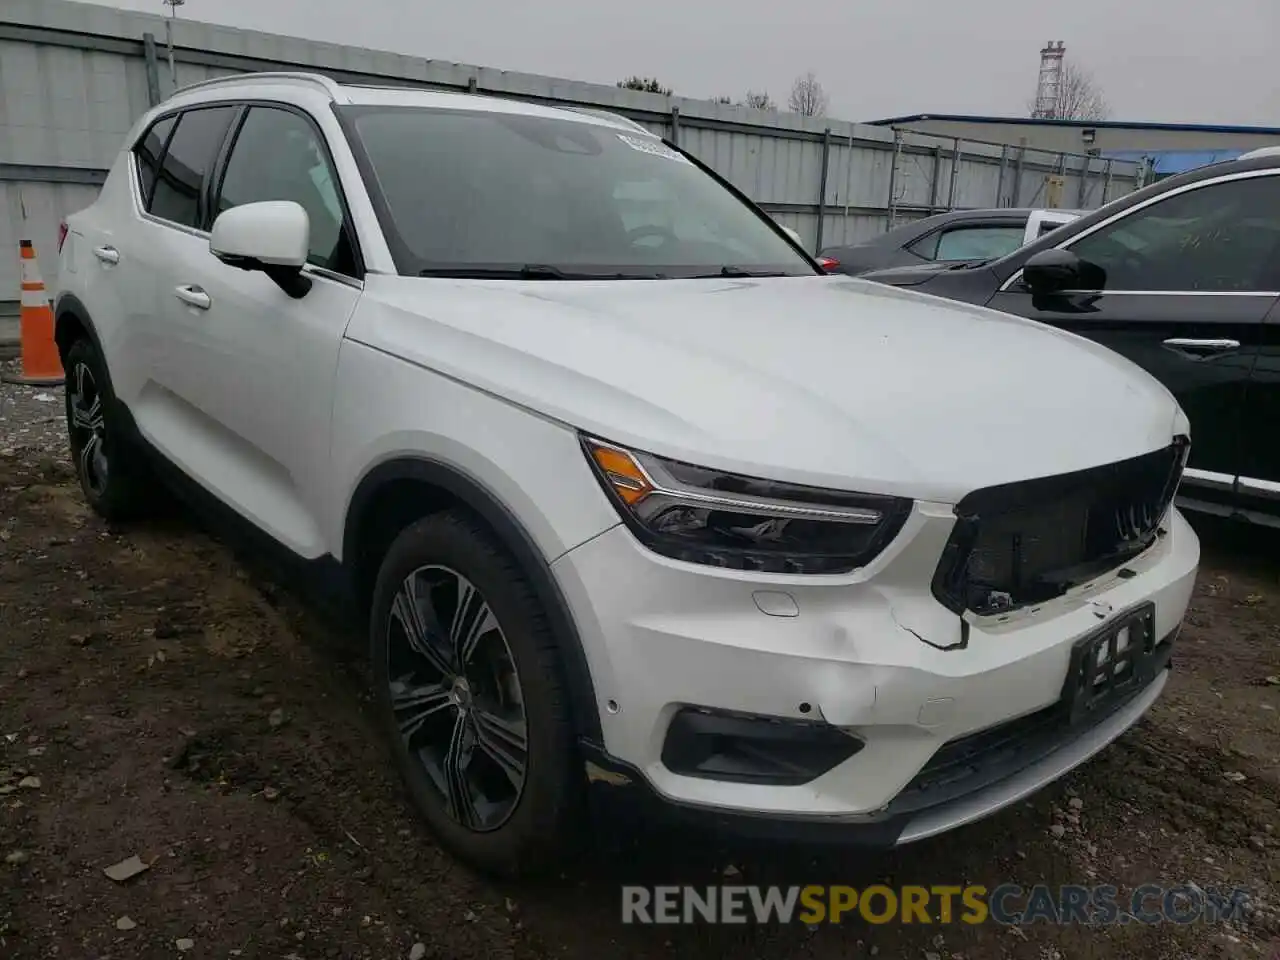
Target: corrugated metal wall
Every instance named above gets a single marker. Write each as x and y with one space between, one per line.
74 77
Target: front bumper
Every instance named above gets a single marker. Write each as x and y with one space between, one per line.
860 652
620 791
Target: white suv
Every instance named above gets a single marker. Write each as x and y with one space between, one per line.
639 504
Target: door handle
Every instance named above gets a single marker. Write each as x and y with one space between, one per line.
193 296
107 254
1201 349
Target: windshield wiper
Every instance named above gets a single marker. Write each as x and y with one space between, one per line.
732 271
528 271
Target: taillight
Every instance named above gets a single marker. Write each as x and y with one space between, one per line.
62 234
828 264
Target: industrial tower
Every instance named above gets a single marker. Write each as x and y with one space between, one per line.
1050 84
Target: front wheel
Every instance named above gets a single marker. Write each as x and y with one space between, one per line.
469 686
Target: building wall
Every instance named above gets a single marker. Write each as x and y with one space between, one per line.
1053 137
73 78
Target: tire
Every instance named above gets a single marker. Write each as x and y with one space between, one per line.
112 476
481 814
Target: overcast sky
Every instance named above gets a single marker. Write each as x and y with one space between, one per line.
1200 61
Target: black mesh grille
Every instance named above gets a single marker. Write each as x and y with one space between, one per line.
1025 543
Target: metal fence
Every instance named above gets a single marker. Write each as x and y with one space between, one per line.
74 77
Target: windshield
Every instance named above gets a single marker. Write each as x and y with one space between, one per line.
496 194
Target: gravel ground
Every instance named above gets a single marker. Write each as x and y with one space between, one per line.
162 698
31 418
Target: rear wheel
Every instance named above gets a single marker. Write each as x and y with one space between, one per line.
469 686
112 476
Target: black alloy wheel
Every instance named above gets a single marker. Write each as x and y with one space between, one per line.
456 696
472 695
87 428
113 476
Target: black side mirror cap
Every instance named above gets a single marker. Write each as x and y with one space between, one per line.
1055 271
1051 271
1059 270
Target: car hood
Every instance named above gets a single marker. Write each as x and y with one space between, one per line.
831 381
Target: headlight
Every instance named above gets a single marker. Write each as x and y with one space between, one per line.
743 523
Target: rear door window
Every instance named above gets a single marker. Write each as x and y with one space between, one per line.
180 184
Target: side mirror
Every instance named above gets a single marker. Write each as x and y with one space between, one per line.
1053 271
272 236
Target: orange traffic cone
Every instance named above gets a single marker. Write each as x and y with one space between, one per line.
41 365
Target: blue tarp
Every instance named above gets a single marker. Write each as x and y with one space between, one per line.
1166 162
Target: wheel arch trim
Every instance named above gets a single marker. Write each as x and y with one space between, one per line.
69 305
474 495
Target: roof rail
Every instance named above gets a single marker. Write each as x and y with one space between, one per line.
327 84
499 95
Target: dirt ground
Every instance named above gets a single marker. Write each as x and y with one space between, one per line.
172 705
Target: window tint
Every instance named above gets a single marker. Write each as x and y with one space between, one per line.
1222 237
191 154
978 243
278 156
493 190
926 246
148 155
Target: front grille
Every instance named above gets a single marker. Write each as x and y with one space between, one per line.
1028 542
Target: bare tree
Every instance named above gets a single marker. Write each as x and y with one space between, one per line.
1079 96
807 96
752 101
647 84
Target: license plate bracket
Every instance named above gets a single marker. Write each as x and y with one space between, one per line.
1110 664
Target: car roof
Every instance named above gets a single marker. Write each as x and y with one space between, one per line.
999 213
906 233
312 84
924 224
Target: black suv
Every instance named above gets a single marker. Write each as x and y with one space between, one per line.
1182 277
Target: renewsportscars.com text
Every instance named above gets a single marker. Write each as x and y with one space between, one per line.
1008 904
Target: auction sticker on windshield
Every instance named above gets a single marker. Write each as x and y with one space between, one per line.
655 147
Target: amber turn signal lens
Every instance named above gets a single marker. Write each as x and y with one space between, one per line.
622 472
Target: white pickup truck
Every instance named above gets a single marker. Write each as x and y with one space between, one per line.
1040 222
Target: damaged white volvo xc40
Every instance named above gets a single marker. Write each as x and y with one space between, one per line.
637 504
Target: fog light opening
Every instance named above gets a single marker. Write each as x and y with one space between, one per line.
748 748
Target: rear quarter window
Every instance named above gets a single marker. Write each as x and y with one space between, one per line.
148 153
